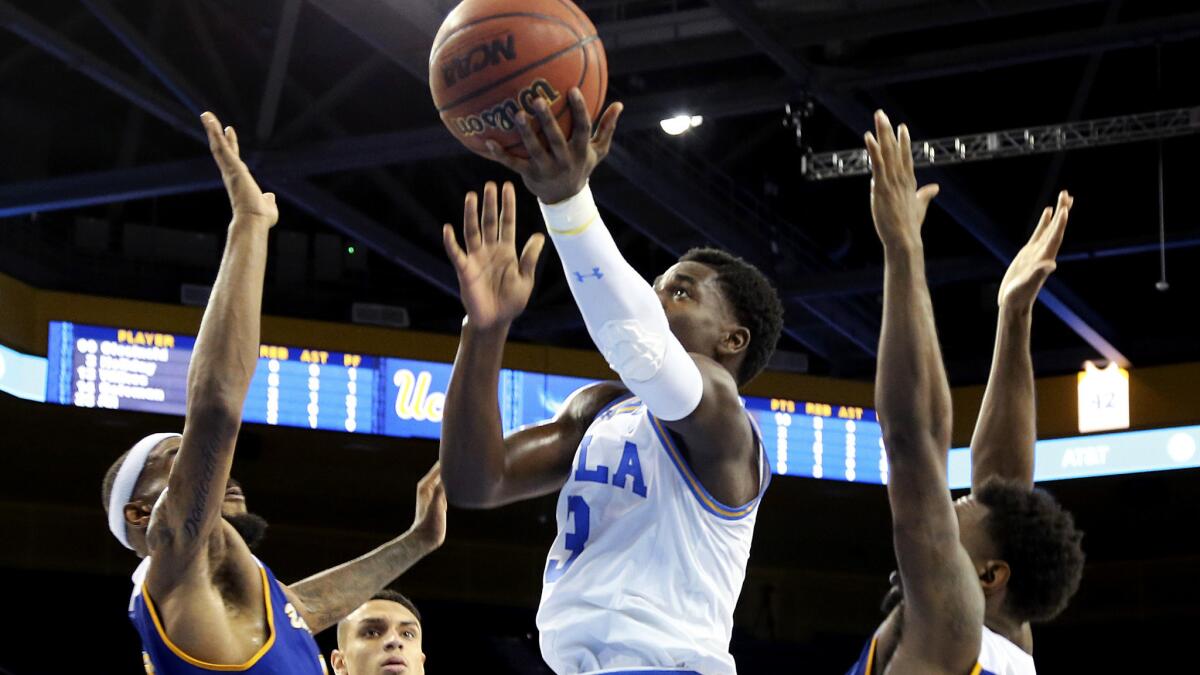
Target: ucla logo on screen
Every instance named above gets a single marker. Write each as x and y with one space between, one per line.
414 401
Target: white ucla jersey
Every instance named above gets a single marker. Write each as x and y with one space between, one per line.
647 566
999 656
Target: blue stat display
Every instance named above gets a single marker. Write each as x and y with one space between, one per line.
130 369
819 440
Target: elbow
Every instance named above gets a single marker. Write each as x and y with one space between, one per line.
909 430
215 395
464 491
903 440
220 418
473 500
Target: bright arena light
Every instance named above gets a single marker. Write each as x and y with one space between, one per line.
680 124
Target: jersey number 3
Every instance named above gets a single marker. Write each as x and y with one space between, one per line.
574 542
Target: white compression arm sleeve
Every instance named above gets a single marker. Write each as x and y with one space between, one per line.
622 312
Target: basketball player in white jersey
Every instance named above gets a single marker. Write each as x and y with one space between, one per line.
659 475
973 572
202 601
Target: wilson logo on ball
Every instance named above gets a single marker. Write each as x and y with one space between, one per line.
504 115
478 58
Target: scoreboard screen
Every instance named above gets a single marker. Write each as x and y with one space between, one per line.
127 369
821 440
130 369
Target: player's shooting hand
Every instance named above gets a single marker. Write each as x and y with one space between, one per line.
494 284
1035 262
897 206
558 169
250 204
429 523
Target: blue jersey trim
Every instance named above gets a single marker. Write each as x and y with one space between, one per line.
612 404
710 503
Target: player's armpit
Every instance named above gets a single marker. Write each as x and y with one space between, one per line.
718 438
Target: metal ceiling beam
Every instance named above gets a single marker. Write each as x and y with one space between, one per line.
18 58
1047 138
194 175
1033 49
321 107
332 156
230 100
663 42
402 31
946 271
1056 296
147 54
1083 90
51 42
294 190
382 239
284 37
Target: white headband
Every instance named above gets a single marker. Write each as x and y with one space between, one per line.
127 478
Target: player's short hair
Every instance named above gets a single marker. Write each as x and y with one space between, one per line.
754 301
385 594
400 599
1037 537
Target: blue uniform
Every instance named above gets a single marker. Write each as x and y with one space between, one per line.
997 656
289 649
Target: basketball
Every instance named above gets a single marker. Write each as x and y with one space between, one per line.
492 58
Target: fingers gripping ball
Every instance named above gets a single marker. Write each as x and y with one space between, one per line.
492 58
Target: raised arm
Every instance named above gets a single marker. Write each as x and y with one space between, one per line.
481 468
327 597
222 364
692 394
1005 434
943 602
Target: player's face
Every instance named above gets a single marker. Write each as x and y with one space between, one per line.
383 638
697 311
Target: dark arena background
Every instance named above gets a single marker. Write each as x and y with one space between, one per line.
112 219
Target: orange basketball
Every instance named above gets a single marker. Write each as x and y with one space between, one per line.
492 58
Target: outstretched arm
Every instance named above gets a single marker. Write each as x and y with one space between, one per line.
1005 434
482 468
692 394
223 362
327 597
943 601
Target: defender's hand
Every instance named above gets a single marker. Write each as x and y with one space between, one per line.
494 285
1035 262
248 201
897 206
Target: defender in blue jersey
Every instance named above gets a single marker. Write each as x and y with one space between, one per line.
973 572
201 601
